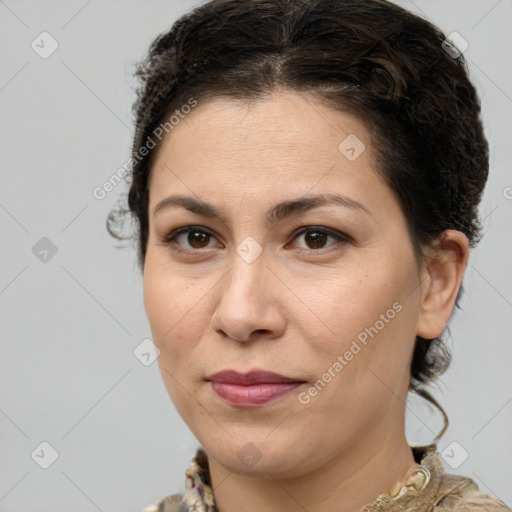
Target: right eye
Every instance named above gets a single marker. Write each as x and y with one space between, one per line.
196 236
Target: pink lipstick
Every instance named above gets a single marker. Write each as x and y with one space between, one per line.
253 389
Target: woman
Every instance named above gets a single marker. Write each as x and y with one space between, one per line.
306 177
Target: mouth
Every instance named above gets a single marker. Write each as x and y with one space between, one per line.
253 389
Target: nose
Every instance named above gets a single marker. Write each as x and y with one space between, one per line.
249 305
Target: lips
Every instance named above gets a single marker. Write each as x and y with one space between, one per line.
249 379
253 389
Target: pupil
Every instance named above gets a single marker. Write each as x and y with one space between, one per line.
317 239
197 237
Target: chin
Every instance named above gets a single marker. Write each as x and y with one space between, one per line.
250 456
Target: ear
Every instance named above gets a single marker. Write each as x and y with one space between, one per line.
442 275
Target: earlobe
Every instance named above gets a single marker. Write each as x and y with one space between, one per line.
444 268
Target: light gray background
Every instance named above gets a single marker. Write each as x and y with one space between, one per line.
69 326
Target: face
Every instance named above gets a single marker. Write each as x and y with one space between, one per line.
300 264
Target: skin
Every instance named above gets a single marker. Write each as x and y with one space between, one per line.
290 311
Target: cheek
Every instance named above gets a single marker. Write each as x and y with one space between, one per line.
368 318
172 306
362 366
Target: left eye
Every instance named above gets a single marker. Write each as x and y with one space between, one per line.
317 237
199 238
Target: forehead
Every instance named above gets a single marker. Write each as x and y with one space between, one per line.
280 122
283 142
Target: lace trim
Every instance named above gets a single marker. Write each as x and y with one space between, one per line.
418 481
198 495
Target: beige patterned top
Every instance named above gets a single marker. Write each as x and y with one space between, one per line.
430 489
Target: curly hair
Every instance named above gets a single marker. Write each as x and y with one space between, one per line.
391 68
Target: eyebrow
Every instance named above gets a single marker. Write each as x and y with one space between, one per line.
275 214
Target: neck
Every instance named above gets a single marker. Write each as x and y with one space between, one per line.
352 479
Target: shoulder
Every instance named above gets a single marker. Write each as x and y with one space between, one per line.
457 493
172 503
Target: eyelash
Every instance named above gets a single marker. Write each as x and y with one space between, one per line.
340 237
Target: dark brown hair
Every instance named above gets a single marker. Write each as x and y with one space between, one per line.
367 57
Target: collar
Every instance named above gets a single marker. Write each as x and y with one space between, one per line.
420 487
